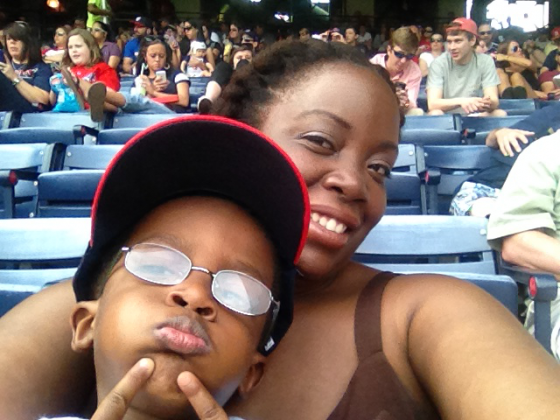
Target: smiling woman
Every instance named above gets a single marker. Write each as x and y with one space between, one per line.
363 344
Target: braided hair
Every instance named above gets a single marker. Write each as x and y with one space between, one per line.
276 69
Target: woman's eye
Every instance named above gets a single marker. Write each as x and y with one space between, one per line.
318 140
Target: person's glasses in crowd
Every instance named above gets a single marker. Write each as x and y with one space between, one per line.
160 264
515 48
60 33
188 28
485 33
400 55
436 40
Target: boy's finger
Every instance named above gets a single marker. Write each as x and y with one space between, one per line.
203 403
115 404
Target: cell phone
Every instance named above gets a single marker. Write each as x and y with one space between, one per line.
161 74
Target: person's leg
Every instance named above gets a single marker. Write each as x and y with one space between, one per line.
504 82
436 112
517 79
10 98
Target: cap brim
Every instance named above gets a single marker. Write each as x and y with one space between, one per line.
200 155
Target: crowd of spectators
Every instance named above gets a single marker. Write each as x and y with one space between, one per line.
439 58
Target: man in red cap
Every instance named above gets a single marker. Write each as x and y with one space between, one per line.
142 28
551 50
460 80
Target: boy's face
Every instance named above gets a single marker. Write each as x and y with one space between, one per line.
200 53
135 319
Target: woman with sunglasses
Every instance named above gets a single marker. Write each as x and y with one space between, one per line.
109 50
24 77
55 54
517 73
427 57
363 344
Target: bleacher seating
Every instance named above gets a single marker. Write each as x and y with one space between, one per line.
405 192
70 192
447 167
433 136
20 165
440 122
138 120
437 244
518 106
5 119
196 90
34 252
483 125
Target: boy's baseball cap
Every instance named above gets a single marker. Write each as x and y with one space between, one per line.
198 45
196 155
463 24
555 33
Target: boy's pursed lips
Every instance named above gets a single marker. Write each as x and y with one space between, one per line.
183 335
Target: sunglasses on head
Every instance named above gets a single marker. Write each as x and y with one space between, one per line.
436 40
485 32
400 55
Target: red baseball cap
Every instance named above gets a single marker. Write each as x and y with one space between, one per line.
463 24
555 33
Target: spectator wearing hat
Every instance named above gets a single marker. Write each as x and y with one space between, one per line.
461 80
142 28
98 11
197 55
403 71
551 50
554 41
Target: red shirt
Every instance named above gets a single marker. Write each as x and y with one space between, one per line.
99 72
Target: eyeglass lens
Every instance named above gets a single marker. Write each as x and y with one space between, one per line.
485 32
163 265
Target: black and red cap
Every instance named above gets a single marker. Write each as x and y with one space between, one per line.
201 155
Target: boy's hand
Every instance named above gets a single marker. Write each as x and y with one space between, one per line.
203 403
115 404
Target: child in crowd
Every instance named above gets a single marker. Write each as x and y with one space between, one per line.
195 64
196 227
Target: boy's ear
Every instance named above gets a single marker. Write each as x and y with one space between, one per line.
253 376
83 325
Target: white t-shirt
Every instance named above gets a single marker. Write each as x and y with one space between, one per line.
427 57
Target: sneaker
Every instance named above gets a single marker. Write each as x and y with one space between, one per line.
69 79
96 99
204 105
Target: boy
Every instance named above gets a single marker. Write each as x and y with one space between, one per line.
195 64
194 223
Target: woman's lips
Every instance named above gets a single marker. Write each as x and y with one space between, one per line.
332 232
183 335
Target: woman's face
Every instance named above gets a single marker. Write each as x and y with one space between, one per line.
514 49
233 32
79 52
156 57
98 33
190 31
242 55
205 32
341 128
15 47
60 38
436 42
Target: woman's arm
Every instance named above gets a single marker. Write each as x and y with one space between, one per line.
114 61
39 373
423 67
183 93
471 355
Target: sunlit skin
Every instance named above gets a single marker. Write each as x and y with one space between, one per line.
460 48
131 309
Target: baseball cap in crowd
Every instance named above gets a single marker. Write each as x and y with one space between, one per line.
463 24
555 33
201 155
142 21
198 45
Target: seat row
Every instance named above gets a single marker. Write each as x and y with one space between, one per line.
36 252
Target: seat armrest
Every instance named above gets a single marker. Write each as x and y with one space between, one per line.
80 131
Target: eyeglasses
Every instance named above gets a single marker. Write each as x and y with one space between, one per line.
485 33
436 40
60 33
515 48
160 264
400 55
188 28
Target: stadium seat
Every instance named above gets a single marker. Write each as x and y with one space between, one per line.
430 136
35 252
451 245
518 106
196 90
5 119
405 192
139 120
441 122
116 135
447 168
481 126
20 165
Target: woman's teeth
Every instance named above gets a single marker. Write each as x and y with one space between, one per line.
329 223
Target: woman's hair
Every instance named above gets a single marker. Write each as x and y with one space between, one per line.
91 43
280 67
503 48
148 41
21 31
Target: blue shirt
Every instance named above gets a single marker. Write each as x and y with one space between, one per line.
131 49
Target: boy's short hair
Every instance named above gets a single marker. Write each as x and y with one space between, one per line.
199 156
405 39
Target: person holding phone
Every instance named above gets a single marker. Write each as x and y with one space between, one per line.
161 81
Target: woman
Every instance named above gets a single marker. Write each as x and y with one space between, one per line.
109 50
160 80
234 39
194 33
55 54
440 345
516 73
426 58
212 41
24 78
87 68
